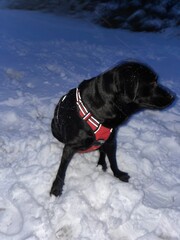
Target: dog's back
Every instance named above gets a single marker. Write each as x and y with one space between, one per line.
64 116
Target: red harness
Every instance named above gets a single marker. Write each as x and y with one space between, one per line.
101 133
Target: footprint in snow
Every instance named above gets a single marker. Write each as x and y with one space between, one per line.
33 213
10 218
64 233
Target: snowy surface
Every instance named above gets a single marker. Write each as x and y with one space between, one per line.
41 57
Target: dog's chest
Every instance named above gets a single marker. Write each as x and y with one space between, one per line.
101 132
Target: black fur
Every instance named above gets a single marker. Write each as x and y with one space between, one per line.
112 97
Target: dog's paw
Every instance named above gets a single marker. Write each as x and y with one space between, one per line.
123 176
103 164
55 191
57 188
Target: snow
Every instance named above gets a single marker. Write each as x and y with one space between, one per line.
42 56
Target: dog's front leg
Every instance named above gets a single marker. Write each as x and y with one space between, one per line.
58 183
110 149
102 160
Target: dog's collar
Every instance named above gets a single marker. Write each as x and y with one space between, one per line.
101 132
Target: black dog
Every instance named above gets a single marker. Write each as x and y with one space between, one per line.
87 117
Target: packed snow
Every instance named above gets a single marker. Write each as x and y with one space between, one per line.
42 56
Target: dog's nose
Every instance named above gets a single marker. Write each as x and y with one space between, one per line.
172 97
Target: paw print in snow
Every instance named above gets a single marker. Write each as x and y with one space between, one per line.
64 233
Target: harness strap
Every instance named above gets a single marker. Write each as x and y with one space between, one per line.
101 132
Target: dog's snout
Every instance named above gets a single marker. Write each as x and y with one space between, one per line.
172 97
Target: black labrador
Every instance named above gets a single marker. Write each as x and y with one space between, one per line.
87 117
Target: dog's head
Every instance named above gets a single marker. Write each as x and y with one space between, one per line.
137 83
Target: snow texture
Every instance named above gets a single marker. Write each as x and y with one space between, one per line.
42 56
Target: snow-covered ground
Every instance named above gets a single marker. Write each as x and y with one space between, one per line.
41 57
